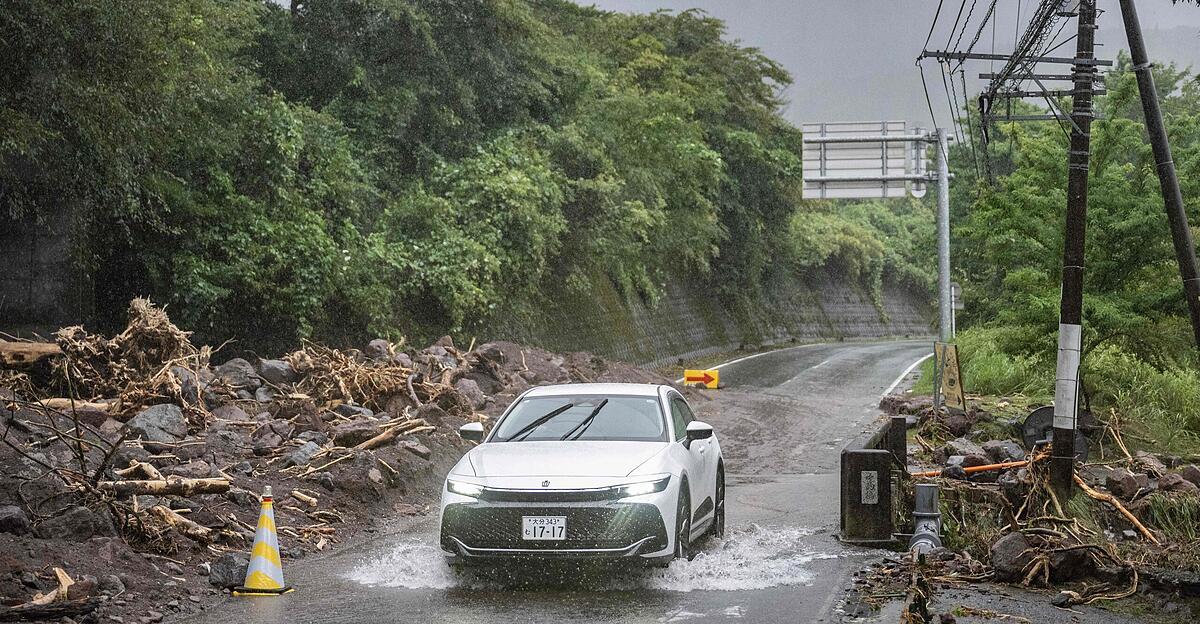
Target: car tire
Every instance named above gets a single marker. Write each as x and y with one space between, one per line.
718 524
683 525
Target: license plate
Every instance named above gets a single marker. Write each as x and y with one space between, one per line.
544 527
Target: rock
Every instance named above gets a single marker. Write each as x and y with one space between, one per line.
226 443
1015 485
111 584
416 448
355 432
1068 565
954 472
378 349
470 391
159 423
353 411
239 373
325 479
403 359
377 477
198 469
301 456
316 437
947 618
203 568
1174 482
1062 599
270 435
1122 483
1010 555
189 384
958 423
173 568
230 412
1001 451
242 497
1150 464
76 524
962 446
277 372
1192 473
13 520
264 394
229 570
432 414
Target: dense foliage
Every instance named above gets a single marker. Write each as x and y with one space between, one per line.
1139 354
348 167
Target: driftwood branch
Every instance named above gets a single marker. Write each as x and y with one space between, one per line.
176 486
181 524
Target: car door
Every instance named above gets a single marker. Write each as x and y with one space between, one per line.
693 458
706 453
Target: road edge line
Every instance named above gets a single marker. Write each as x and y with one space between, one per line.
904 374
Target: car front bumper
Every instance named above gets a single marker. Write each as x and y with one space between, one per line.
480 531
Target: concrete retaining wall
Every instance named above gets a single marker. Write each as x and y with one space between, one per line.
689 321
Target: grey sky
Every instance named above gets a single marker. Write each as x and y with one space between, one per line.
853 59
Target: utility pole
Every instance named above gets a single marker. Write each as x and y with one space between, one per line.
1181 234
945 311
1070 324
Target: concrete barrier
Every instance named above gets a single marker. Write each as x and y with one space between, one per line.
869 466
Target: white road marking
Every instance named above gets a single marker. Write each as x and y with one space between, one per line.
904 374
820 365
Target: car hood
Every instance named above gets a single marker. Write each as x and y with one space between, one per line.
561 459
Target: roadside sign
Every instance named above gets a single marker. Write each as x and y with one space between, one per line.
708 378
831 152
948 372
956 302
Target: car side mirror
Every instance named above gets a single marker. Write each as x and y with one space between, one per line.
697 430
474 432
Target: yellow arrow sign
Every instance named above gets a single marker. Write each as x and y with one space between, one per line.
708 378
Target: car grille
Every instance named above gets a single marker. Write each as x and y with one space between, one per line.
610 526
549 496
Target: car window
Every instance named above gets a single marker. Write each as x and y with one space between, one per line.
681 415
630 418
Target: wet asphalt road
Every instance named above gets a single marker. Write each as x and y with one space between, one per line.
782 418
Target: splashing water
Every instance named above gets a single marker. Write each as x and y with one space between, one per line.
753 557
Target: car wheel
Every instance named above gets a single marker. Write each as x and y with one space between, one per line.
718 524
683 525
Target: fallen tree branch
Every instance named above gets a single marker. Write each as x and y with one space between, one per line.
176 486
181 524
1112 500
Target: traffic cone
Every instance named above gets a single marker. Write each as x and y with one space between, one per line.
264 577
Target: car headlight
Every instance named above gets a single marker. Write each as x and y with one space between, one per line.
643 487
464 488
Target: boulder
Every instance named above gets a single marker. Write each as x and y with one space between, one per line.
958 423
277 372
432 414
416 448
353 411
230 412
962 446
159 423
1150 464
404 359
378 349
1122 483
111 584
13 520
270 435
955 471
1174 482
471 391
198 469
264 394
1010 555
1192 473
239 373
226 443
76 524
189 384
317 437
355 432
229 570
1001 451
1068 565
302 455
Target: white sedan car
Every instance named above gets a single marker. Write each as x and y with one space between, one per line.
604 471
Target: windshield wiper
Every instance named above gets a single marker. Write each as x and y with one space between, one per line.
538 422
585 423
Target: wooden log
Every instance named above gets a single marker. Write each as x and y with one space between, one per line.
61 404
311 501
382 439
181 524
49 612
140 468
24 354
173 485
1112 500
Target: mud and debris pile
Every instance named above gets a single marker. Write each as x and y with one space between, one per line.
130 466
1131 528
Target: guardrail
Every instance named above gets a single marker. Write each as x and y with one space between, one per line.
869 464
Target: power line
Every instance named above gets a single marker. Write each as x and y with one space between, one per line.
933 25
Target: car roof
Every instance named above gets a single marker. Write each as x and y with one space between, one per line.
615 389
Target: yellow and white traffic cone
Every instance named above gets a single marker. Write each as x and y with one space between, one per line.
264 577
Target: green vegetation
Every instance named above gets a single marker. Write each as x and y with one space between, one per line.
359 167
1139 358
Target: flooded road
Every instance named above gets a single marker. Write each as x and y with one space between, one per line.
782 419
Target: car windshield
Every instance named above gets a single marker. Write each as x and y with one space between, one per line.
628 418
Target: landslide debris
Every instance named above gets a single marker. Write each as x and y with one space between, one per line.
131 465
